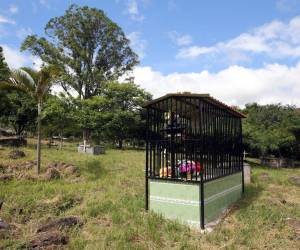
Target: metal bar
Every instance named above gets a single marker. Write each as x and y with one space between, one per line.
241 155
202 201
146 172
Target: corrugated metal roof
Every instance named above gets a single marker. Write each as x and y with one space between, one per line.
206 97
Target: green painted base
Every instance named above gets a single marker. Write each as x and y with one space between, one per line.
181 201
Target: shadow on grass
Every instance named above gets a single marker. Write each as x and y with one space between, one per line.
94 169
252 192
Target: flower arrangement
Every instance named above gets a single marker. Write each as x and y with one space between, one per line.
188 167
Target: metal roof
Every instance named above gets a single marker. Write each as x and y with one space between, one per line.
205 97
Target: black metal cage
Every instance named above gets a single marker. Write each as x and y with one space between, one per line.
192 136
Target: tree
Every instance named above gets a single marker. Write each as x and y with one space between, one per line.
90 48
4 74
19 111
57 116
89 114
37 84
124 114
268 129
4 70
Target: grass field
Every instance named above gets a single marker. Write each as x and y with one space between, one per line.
109 197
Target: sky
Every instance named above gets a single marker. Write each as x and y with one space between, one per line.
237 51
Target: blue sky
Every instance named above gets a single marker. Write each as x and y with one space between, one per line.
239 51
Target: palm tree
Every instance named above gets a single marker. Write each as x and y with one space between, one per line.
37 84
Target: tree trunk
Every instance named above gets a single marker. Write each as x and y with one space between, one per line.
39 118
61 141
120 144
86 138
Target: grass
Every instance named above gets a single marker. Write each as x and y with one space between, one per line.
109 197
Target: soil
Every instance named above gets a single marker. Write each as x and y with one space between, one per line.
295 180
16 154
48 240
264 177
60 223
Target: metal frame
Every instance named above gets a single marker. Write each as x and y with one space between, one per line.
195 131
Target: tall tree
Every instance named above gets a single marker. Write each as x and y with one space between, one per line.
124 117
4 70
57 116
4 74
89 47
18 112
37 84
268 129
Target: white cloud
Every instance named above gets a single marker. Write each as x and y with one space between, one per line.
287 5
15 59
36 62
234 85
45 3
180 40
275 39
23 32
184 40
194 51
133 10
13 9
137 43
3 19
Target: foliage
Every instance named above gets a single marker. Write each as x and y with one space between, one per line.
125 120
36 84
19 111
4 70
4 74
88 114
268 129
89 48
57 115
27 80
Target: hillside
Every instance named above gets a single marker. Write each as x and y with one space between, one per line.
108 197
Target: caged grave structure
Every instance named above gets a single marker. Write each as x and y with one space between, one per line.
194 157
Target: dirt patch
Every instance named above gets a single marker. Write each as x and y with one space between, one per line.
106 222
54 171
295 224
48 240
51 174
64 168
264 176
4 229
27 165
26 176
16 154
6 177
61 223
295 180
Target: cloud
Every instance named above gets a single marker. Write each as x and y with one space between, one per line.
23 32
180 40
45 3
275 39
15 59
13 9
234 85
3 19
288 5
133 10
194 51
137 43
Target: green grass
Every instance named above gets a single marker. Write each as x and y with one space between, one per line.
109 197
